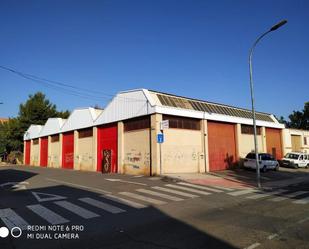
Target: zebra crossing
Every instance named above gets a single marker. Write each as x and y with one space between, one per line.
122 202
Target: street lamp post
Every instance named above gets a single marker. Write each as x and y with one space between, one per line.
273 28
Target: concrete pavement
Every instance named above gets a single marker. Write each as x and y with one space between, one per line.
242 178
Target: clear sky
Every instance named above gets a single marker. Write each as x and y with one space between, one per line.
192 48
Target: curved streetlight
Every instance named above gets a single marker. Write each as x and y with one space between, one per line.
273 28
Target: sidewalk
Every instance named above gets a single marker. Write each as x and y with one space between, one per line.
237 181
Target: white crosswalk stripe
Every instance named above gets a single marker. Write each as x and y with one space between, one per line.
304 200
200 187
243 192
143 198
223 188
287 196
123 201
102 205
188 189
12 219
82 212
47 214
266 194
164 196
168 190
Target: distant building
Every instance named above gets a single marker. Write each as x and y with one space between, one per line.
3 120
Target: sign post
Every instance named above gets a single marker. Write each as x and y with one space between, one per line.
160 140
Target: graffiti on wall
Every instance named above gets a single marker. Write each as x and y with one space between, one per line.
180 155
137 160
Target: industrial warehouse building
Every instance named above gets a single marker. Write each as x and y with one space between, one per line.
200 137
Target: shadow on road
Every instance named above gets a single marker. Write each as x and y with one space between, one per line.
133 228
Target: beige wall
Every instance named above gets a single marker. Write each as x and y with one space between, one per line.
246 144
287 140
84 159
181 151
120 147
35 154
155 120
136 158
54 153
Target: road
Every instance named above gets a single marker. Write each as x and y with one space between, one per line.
58 208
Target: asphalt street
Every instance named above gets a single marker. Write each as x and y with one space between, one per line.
57 208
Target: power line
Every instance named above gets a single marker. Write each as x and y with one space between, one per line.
66 88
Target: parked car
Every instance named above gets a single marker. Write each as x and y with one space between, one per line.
296 160
266 162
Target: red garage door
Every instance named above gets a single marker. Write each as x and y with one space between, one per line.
221 145
44 151
273 142
27 151
68 150
107 149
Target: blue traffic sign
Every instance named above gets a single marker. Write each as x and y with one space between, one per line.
160 138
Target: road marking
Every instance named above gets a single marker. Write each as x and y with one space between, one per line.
263 194
255 245
272 236
15 185
47 214
188 189
165 196
124 201
175 192
143 198
200 187
302 201
137 176
243 192
154 178
46 196
12 219
86 214
287 196
223 188
119 180
102 205
80 186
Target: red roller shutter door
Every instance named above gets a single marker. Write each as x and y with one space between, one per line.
107 149
44 151
27 151
68 150
221 145
273 142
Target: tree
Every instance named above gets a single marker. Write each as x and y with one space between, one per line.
298 119
36 110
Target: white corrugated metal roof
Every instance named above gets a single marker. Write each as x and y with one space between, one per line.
125 105
33 132
81 118
52 126
139 102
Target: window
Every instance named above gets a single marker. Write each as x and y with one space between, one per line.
54 138
305 140
137 124
85 133
183 123
248 129
36 141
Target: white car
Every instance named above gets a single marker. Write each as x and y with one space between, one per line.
296 160
266 161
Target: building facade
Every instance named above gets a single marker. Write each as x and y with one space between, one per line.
123 138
